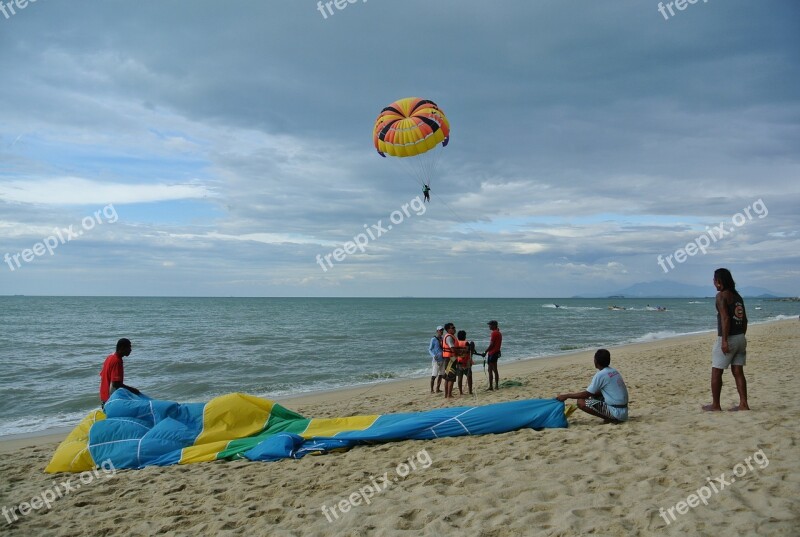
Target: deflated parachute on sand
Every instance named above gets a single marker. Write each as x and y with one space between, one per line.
136 431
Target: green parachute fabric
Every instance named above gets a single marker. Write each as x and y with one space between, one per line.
136 431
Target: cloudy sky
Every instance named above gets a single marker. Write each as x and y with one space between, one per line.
217 148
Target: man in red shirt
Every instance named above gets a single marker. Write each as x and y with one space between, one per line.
493 353
112 374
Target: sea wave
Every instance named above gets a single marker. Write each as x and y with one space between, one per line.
34 424
574 308
782 318
663 334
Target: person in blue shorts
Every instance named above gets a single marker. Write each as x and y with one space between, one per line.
606 396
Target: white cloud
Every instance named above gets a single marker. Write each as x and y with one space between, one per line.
79 191
594 138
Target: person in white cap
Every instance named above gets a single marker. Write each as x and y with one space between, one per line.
437 363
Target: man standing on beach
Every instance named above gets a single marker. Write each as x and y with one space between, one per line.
492 353
112 374
449 356
730 348
435 350
607 396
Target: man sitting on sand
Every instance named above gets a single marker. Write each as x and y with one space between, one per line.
112 374
606 397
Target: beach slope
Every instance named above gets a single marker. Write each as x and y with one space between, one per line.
671 470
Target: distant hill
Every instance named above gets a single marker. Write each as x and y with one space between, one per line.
670 289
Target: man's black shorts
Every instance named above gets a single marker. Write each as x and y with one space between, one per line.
492 358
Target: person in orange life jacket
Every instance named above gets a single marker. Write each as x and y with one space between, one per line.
449 355
464 351
112 375
492 353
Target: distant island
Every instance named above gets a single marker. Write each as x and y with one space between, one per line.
670 289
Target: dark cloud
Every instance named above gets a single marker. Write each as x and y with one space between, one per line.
587 139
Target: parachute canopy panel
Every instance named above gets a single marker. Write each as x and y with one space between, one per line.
136 431
410 127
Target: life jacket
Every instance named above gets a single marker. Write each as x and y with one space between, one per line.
447 350
462 352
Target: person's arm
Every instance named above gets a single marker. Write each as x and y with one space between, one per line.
577 395
492 348
744 321
594 387
115 385
432 348
725 319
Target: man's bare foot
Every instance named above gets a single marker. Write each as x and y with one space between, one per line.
711 408
738 408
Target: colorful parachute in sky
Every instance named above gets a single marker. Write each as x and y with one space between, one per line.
136 431
415 128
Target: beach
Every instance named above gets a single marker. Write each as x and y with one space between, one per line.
672 469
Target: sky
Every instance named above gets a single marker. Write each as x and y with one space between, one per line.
199 148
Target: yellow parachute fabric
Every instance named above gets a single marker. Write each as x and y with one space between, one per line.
73 453
410 127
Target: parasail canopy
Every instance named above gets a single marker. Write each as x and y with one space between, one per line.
410 127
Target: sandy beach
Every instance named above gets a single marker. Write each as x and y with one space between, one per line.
610 480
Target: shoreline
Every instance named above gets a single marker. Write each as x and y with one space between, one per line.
56 423
640 477
341 393
524 366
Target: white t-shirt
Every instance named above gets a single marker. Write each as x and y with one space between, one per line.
609 383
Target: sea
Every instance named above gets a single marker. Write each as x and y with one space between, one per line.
193 349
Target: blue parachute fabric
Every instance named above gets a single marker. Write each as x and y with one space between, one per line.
280 446
135 431
456 421
140 431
